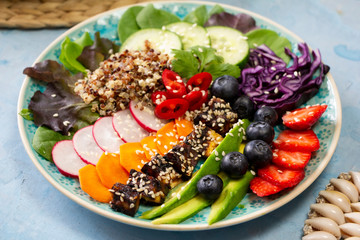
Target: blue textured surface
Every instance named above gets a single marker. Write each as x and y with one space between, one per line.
32 209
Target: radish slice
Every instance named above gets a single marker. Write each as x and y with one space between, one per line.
127 128
105 135
146 118
86 147
66 159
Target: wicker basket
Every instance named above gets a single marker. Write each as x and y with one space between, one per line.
35 14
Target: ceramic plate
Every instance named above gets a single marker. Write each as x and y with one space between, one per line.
328 129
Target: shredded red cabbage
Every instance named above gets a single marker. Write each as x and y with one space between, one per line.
268 81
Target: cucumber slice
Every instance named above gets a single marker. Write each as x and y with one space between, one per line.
229 43
190 34
161 40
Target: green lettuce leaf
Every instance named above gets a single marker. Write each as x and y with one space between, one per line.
215 10
71 50
271 39
127 23
199 16
150 17
26 114
45 139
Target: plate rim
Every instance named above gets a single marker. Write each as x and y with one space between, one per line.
178 227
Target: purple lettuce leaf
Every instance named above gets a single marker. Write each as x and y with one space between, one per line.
51 71
101 49
242 22
59 109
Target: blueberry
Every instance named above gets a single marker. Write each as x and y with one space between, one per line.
260 131
266 114
210 186
258 153
225 87
234 164
244 107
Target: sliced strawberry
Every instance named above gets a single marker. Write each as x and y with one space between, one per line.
299 141
291 160
303 118
281 177
263 188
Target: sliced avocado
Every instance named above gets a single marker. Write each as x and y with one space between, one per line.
174 191
230 143
184 211
231 196
189 208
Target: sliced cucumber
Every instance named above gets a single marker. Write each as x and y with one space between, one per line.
229 43
190 34
161 40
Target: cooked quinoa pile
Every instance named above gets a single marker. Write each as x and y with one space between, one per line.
123 77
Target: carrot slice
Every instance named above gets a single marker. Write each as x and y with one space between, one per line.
150 146
183 127
167 137
132 156
110 171
91 184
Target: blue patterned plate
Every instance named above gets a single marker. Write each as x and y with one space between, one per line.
328 129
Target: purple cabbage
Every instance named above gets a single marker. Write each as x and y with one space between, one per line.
269 82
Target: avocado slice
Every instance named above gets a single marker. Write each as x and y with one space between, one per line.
189 208
230 196
230 143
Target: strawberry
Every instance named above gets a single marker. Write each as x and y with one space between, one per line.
299 141
303 118
263 188
290 160
281 177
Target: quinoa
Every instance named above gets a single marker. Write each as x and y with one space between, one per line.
123 77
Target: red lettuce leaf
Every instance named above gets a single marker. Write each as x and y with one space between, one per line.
59 109
242 22
51 71
101 49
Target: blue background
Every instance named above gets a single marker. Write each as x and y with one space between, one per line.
31 208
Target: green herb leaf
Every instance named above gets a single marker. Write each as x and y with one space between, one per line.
185 64
127 23
206 56
271 39
26 114
218 70
198 15
198 59
150 17
45 139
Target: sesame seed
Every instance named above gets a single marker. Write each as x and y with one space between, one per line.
66 123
